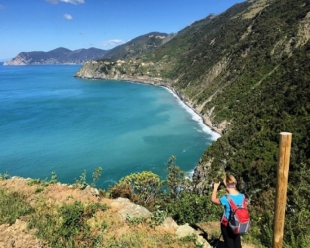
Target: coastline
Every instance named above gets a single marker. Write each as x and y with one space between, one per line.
90 71
196 117
204 121
207 128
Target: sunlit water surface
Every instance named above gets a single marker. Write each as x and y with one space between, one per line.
53 122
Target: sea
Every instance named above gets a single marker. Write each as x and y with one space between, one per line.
53 122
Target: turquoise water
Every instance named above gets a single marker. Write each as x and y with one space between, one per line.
53 122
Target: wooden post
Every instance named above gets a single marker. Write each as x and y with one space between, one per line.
281 190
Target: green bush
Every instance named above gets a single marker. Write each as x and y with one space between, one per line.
192 208
142 188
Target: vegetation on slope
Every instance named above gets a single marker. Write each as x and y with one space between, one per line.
248 67
72 216
138 46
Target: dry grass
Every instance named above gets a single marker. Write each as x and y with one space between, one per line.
107 228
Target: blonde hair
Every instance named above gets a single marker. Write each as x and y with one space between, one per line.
230 181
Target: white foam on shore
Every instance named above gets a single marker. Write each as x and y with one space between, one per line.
205 128
189 174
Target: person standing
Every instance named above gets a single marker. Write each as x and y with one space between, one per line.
231 240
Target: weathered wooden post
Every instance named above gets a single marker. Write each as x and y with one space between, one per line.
281 190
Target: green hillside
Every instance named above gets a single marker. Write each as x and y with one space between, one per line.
138 46
247 71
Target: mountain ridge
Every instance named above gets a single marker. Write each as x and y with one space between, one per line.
135 47
56 56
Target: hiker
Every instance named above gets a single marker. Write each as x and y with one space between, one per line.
231 240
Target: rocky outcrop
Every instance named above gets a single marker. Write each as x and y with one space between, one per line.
119 70
18 60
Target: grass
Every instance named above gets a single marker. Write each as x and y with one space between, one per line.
92 225
12 206
73 220
141 236
67 225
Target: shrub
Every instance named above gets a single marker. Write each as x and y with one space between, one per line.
192 208
142 188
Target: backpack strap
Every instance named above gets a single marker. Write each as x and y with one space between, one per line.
244 205
232 204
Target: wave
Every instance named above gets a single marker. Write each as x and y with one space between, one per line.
189 174
196 117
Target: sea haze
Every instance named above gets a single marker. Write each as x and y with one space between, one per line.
53 122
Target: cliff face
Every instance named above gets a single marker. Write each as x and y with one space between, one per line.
18 60
57 56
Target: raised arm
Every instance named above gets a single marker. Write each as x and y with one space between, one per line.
214 198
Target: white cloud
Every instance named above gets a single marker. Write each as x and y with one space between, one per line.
68 17
72 1
66 1
115 42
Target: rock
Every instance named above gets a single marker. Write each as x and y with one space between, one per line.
132 211
95 192
184 231
127 208
92 190
120 202
170 223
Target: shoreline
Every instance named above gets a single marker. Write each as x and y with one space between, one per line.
195 116
205 122
88 71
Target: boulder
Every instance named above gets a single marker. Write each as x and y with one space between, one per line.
169 223
185 230
127 208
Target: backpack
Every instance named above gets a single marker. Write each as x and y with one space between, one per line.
239 220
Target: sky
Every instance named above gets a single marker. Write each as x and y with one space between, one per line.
44 25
